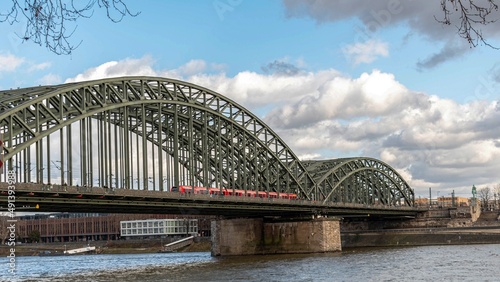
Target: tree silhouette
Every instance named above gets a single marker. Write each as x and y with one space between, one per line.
47 20
485 197
496 195
471 17
34 236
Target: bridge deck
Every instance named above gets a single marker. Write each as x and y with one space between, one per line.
58 198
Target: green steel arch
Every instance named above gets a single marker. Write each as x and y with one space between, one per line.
153 133
360 180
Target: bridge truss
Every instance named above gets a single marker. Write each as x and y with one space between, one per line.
147 133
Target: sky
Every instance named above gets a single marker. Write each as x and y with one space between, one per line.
334 79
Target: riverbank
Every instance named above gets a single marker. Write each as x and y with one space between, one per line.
104 247
350 240
420 237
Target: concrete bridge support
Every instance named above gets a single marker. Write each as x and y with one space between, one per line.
260 236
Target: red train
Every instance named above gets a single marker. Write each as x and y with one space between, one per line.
231 192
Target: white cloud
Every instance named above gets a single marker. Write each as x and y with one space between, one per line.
50 79
143 67
126 67
432 142
193 67
247 88
256 90
38 67
9 62
367 52
378 15
370 95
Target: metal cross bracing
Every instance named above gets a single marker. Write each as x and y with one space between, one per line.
148 133
360 180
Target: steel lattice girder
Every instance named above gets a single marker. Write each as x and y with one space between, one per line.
212 141
193 120
370 180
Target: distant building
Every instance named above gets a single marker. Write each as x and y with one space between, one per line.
453 201
158 228
492 205
74 227
443 202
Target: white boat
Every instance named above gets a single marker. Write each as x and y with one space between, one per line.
80 250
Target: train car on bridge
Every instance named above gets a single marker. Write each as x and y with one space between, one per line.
233 192
199 190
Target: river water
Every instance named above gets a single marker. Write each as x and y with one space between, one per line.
429 263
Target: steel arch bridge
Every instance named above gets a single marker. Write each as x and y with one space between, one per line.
149 133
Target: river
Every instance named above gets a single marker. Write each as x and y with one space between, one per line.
429 263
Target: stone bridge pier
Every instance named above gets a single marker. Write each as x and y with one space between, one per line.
263 236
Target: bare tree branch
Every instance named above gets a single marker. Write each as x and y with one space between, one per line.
471 17
496 194
47 20
485 196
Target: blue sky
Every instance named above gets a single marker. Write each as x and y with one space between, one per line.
333 78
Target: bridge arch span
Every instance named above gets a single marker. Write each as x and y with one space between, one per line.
209 139
152 133
360 180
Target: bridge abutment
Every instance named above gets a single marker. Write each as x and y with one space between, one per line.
260 236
